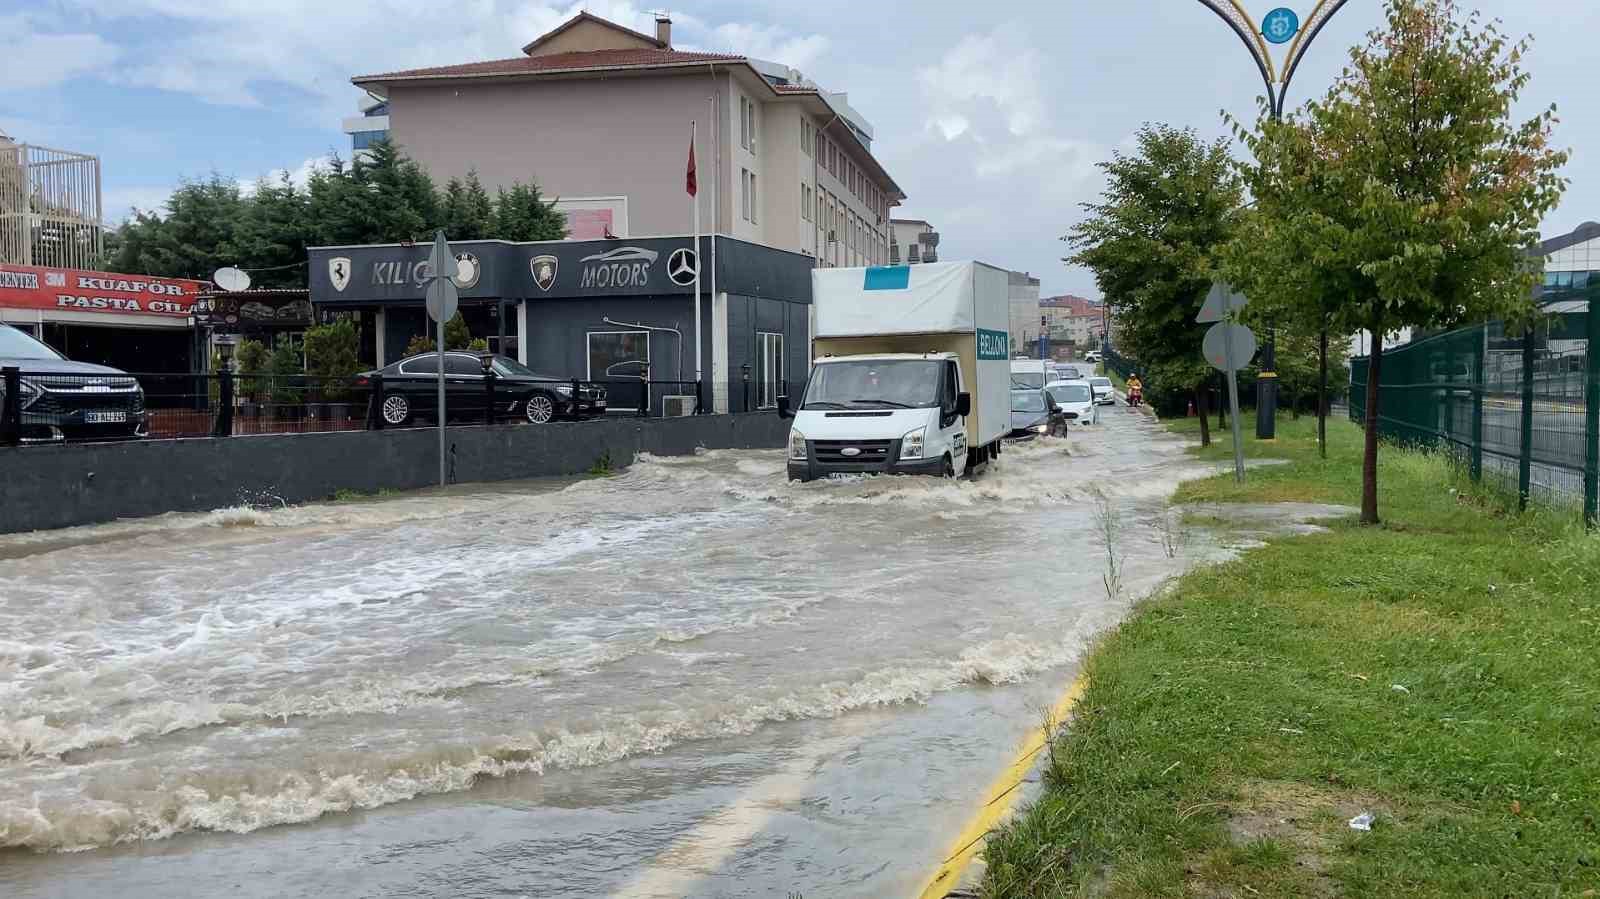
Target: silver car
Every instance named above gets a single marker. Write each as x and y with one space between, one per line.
1104 393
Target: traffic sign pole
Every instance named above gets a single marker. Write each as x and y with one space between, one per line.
1233 393
441 300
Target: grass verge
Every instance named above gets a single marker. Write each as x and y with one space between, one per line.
1439 672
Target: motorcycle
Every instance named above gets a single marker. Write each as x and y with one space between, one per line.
1135 396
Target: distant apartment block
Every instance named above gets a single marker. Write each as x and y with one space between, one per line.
1073 318
912 241
599 115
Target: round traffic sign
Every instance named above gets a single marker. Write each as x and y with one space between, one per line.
1280 25
1225 342
442 298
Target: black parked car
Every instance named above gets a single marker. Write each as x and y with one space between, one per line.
66 400
410 390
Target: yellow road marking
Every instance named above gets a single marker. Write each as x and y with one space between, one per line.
998 800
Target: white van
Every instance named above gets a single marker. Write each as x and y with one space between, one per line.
1031 373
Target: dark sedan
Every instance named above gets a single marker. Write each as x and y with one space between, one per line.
65 400
410 390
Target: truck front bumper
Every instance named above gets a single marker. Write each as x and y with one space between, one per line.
830 463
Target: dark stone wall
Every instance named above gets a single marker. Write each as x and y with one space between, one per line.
60 486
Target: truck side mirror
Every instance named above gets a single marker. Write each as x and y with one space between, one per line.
783 406
963 404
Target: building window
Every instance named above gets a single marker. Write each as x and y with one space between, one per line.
620 355
769 369
805 137
744 123
361 140
744 193
750 126
755 199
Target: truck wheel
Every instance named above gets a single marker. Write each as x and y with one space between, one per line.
949 469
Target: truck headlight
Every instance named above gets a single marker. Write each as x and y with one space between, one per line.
911 444
1040 429
797 445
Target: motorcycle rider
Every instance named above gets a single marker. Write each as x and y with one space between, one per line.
1135 389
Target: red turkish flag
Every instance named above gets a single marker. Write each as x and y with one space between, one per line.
693 185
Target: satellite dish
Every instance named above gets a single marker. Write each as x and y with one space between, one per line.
230 279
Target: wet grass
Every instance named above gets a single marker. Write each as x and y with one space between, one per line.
1439 672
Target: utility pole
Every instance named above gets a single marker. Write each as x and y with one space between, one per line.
1281 25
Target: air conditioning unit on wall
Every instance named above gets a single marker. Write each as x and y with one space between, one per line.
677 406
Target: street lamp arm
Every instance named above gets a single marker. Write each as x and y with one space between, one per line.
1319 17
1230 12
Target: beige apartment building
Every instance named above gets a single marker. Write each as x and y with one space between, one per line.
599 115
912 241
1073 318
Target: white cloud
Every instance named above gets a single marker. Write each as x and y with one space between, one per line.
119 203
1000 67
238 52
299 176
32 59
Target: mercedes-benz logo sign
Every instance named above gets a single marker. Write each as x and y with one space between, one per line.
682 266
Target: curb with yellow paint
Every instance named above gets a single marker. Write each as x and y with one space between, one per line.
999 799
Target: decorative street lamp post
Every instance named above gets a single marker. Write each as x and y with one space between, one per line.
1280 26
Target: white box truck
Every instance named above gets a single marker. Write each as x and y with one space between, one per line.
912 372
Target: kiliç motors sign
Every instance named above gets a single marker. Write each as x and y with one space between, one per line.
78 290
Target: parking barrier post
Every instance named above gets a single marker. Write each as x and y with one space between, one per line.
11 410
375 405
488 404
222 424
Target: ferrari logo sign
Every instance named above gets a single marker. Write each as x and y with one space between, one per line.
339 272
544 271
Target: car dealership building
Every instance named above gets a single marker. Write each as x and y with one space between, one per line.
602 310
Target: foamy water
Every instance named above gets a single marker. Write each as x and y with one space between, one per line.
247 668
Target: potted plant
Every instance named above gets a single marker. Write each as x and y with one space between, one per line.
283 371
332 362
252 359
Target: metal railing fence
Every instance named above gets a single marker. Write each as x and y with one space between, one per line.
1518 408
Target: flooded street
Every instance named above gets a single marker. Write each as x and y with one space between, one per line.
691 678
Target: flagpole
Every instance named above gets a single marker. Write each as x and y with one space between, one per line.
694 202
716 175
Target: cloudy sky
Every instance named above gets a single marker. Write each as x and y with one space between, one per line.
991 116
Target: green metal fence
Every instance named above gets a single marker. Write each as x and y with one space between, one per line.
1521 408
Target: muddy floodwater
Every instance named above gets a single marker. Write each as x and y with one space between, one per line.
689 679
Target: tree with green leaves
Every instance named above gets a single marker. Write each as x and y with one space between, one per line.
272 234
456 337
520 214
332 357
1152 241
1408 196
198 233
468 212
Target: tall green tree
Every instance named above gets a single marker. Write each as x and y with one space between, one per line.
1408 195
197 232
272 234
521 214
468 212
1152 241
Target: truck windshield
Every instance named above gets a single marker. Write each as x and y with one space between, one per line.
1031 379
882 384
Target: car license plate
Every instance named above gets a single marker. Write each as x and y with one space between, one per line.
599 404
105 418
